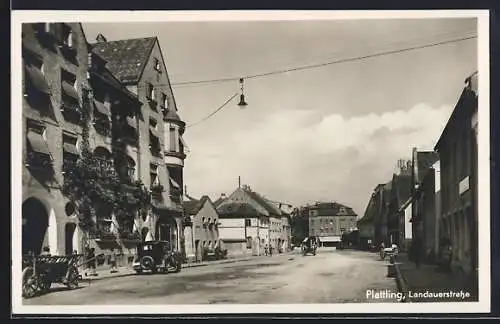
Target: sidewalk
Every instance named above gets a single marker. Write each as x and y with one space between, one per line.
105 273
425 283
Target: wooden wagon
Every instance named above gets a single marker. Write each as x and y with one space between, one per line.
40 272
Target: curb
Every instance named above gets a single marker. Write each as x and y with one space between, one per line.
89 279
402 285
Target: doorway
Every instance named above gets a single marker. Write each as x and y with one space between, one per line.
69 238
35 224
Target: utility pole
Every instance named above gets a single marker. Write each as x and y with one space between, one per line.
239 182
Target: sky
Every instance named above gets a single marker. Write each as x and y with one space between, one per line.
325 134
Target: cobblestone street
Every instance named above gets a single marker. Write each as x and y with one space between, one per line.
329 277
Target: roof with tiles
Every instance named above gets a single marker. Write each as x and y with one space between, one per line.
193 206
271 209
127 58
332 208
238 209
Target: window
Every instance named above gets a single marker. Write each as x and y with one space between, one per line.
67 36
153 174
153 123
249 242
38 153
150 91
248 222
130 168
156 64
154 140
69 97
164 101
172 138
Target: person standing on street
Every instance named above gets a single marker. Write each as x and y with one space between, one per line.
112 261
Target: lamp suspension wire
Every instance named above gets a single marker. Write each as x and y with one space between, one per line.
339 61
214 112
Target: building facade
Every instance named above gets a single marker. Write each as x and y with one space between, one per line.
250 222
329 221
55 65
140 66
424 199
399 195
457 148
205 225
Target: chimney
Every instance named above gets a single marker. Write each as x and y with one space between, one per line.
101 39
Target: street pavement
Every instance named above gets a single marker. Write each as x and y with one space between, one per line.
328 277
440 286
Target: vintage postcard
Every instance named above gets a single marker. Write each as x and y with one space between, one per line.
250 162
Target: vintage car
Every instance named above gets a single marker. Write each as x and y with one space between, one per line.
309 245
156 256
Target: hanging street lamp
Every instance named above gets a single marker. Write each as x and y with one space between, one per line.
242 102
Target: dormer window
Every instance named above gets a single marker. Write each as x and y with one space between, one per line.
67 36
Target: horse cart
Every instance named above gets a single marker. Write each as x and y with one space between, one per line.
40 272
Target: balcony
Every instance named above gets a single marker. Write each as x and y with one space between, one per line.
179 155
157 192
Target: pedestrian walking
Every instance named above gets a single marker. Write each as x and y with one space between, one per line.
112 261
92 261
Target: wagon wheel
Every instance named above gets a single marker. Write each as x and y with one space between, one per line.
30 283
72 278
44 285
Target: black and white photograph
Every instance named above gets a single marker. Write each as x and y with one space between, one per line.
250 162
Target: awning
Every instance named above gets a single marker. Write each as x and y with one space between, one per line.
69 90
154 132
37 143
131 122
102 108
70 148
330 239
174 184
37 79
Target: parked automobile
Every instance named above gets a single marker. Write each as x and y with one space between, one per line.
156 256
389 251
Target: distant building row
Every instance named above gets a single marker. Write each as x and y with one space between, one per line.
434 198
244 223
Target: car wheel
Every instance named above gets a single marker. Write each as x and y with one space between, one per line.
147 263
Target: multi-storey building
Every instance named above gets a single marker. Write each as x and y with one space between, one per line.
250 222
457 148
329 220
205 226
139 65
55 64
95 103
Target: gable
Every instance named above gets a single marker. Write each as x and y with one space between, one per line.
127 58
240 196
